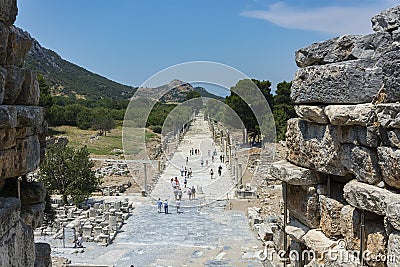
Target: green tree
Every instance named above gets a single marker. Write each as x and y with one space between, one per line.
102 121
283 108
192 94
68 172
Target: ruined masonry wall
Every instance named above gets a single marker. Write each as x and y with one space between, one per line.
343 158
22 132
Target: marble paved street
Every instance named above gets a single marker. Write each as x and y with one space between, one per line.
203 234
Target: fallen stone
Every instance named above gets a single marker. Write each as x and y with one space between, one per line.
337 83
330 216
387 20
318 242
361 114
294 175
296 230
265 232
312 114
389 162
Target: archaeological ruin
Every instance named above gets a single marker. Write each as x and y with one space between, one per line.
341 173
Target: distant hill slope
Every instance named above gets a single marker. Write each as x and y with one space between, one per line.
69 79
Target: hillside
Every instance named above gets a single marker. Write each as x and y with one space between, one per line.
69 79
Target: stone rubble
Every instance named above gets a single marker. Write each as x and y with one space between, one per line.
22 142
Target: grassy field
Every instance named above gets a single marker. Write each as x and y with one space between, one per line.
101 145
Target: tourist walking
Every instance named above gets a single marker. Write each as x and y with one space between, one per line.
189 192
190 174
193 190
211 173
182 170
159 205
219 170
166 206
185 181
180 194
202 162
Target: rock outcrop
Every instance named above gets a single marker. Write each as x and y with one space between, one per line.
22 141
342 172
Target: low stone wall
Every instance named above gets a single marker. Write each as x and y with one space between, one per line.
22 135
342 170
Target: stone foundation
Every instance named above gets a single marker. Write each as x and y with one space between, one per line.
22 135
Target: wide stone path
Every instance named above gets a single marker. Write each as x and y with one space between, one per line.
204 234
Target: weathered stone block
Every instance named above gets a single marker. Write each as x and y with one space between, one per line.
314 146
7 138
393 250
14 81
296 230
8 11
393 138
42 253
312 114
362 162
393 214
303 204
337 83
361 114
343 48
389 162
368 197
9 214
32 193
387 20
4 32
361 136
265 232
30 90
330 216
388 115
19 43
295 175
318 242
350 226
33 215
29 116
3 79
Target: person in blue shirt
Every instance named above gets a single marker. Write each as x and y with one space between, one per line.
159 204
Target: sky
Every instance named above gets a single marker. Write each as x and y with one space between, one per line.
128 41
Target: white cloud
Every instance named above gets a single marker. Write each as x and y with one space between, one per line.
330 19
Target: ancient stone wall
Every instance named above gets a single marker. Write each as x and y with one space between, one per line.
22 131
342 173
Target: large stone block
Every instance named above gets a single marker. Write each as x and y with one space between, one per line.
295 175
19 44
8 138
347 47
330 216
3 79
33 215
314 146
32 193
14 81
9 214
388 115
303 204
362 162
24 158
361 114
389 162
387 20
312 114
350 226
352 82
360 136
4 32
8 11
393 250
30 90
368 197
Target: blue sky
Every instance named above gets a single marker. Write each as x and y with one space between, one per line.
129 40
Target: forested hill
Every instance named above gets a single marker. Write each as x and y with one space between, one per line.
68 79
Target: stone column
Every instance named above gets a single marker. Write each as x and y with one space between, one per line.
240 174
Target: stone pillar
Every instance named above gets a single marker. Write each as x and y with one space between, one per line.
240 174
113 223
236 169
